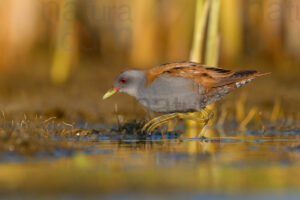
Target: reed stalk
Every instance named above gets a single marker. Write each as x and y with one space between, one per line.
213 39
65 47
213 36
201 16
231 28
206 22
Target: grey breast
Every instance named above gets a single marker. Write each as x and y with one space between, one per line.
171 94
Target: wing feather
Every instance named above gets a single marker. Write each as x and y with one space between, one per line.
209 77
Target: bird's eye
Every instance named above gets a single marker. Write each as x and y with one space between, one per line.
123 80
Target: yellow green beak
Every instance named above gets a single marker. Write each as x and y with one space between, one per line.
110 93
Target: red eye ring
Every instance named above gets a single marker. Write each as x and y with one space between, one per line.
123 80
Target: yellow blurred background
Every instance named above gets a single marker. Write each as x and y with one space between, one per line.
59 41
140 33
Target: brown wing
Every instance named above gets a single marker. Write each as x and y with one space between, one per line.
209 77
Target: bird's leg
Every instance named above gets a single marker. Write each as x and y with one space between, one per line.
206 115
155 125
172 125
164 120
190 117
156 119
201 134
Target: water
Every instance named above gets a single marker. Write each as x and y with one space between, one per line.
231 164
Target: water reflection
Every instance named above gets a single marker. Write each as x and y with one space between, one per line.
227 162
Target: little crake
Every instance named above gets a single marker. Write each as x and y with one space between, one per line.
180 87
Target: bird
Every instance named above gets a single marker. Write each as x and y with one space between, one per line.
175 89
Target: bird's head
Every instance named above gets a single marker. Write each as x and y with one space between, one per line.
128 82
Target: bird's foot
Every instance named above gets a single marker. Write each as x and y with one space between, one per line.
164 119
158 121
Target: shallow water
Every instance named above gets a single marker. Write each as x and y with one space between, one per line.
231 163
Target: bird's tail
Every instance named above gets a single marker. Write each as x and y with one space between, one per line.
245 76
